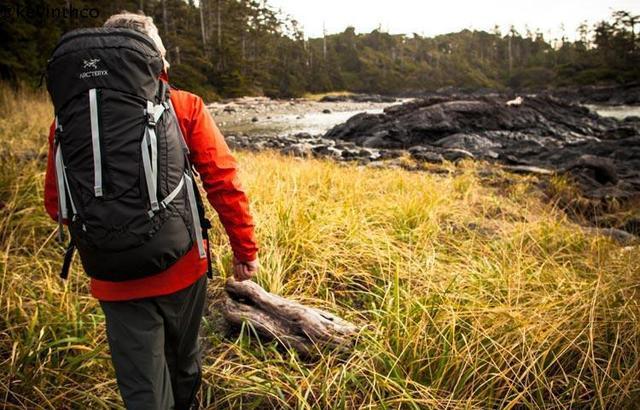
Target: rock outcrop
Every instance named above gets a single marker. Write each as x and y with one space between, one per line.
628 94
542 132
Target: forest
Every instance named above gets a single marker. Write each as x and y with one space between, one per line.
230 48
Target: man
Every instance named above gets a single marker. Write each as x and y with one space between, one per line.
152 322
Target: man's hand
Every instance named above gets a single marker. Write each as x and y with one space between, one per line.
245 270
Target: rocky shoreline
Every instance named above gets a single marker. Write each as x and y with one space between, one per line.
539 134
532 134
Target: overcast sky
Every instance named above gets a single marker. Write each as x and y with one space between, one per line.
430 17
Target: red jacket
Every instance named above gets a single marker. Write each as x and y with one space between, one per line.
218 171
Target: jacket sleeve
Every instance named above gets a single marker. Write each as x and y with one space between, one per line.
212 158
50 188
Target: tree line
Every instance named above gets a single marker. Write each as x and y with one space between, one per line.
226 48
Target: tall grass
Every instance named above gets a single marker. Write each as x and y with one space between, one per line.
473 291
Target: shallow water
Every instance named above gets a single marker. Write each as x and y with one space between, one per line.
285 119
312 122
620 111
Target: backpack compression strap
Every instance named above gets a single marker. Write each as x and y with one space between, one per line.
62 183
150 160
197 226
95 142
62 186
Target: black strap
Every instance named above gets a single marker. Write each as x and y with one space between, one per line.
56 141
163 91
68 258
43 75
205 224
205 236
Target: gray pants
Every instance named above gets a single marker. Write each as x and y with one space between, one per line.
154 347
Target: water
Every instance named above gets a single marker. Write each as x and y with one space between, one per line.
313 123
619 111
284 119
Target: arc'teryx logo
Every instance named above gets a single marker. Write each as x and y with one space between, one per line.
91 63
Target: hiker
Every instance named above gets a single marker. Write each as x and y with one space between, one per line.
121 152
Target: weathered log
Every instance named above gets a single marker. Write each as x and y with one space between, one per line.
527 169
294 325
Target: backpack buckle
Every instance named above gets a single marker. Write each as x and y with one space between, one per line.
151 121
57 131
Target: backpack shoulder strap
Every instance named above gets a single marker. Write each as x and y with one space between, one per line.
195 199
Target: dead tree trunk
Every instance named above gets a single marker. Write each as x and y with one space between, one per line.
219 25
202 32
165 25
300 327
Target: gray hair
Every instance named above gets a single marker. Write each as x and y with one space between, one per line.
141 23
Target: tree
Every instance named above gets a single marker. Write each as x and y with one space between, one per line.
239 47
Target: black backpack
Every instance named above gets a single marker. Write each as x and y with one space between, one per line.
123 175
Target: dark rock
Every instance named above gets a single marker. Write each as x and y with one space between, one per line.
417 148
390 154
327 151
326 111
375 141
539 133
424 154
430 120
604 169
344 145
349 153
632 226
229 109
455 154
618 235
366 153
299 150
431 157
254 119
469 142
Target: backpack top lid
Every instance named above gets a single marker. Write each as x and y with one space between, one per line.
116 58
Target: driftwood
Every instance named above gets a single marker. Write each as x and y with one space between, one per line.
294 325
527 169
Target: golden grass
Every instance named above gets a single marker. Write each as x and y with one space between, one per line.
472 292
